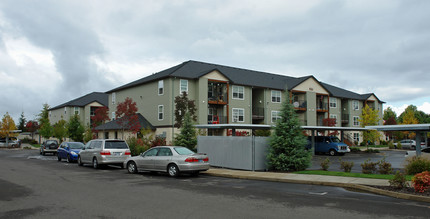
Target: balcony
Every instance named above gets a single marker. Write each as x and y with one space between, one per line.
217 93
257 113
217 119
322 107
300 105
345 118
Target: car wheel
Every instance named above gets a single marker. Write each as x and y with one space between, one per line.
95 163
43 153
173 170
69 159
58 157
332 152
80 161
131 167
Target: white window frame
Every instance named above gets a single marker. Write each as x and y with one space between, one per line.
161 87
76 109
274 94
113 115
65 110
333 102
180 86
355 122
113 98
356 136
238 90
50 113
160 112
236 114
333 116
355 105
275 115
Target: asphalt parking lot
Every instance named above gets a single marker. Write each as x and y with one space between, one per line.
395 157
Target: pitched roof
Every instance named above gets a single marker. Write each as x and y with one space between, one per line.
113 125
194 70
99 97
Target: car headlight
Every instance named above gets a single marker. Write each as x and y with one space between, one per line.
73 153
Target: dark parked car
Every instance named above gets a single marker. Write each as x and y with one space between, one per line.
69 151
49 146
328 144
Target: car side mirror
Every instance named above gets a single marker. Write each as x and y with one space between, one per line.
83 148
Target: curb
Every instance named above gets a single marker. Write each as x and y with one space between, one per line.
343 185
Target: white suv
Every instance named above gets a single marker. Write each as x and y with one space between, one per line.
101 152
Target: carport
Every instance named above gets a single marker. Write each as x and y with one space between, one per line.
419 129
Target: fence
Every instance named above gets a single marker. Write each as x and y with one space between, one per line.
245 153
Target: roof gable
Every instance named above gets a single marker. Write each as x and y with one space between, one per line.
101 98
310 83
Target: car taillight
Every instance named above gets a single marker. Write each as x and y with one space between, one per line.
191 159
104 152
206 159
127 152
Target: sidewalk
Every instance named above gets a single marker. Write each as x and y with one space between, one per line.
338 181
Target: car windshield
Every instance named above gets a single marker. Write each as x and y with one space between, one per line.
335 139
184 151
115 145
51 142
76 145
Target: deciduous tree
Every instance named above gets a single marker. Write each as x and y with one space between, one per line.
75 129
287 143
99 118
389 113
409 118
32 127
60 129
369 117
127 117
331 122
7 126
183 105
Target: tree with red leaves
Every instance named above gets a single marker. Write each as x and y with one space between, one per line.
32 126
99 118
127 117
331 122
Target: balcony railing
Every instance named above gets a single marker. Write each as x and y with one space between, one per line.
217 119
322 107
257 113
300 104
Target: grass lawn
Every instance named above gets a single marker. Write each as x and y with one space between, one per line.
36 145
358 175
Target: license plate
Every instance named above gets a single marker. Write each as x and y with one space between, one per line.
201 161
117 153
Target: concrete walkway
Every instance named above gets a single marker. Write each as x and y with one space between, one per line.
362 184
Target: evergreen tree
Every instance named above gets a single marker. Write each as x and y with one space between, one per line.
75 129
187 137
45 128
287 143
22 122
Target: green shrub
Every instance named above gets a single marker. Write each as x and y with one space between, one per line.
382 143
391 145
416 165
363 143
137 145
370 150
325 164
368 167
399 145
398 181
421 182
384 167
346 166
262 132
355 149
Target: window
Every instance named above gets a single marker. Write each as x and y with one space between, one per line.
356 122
210 114
113 98
238 92
113 115
65 110
238 115
334 116
276 96
275 116
357 137
165 152
183 86
50 113
160 87
355 105
76 110
160 112
333 102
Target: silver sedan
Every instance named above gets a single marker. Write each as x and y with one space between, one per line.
171 159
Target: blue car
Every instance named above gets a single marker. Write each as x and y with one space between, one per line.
69 151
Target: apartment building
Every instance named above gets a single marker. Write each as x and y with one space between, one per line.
84 107
224 94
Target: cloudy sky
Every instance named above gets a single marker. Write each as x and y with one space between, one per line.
55 51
